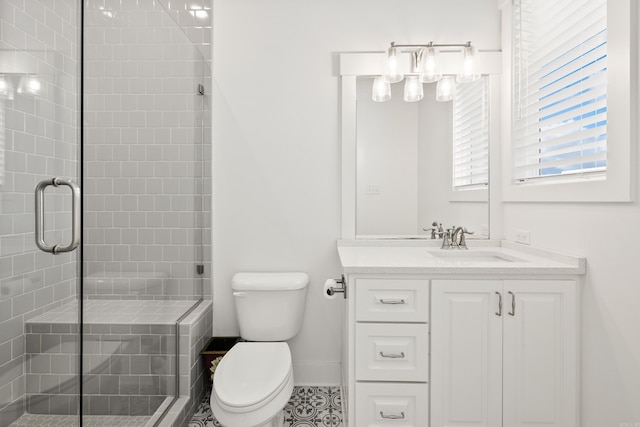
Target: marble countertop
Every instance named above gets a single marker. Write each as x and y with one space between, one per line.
484 257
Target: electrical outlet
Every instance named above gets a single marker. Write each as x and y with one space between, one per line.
523 236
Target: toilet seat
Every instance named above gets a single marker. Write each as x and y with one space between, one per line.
251 375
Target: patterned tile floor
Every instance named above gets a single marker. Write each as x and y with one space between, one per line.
308 407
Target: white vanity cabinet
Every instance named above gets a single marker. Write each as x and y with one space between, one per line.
486 337
503 353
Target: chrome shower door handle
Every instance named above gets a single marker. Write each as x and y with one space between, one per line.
75 215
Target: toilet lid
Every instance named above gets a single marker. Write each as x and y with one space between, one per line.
251 372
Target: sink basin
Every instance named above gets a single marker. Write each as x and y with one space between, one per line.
455 255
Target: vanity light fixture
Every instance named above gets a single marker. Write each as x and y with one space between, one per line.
469 71
446 89
429 65
425 69
381 89
413 90
391 71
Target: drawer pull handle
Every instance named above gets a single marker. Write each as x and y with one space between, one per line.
392 301
392 416
392 355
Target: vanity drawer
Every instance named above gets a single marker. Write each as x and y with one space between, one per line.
392 352
392 300
389 404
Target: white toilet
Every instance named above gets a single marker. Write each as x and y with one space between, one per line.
254 380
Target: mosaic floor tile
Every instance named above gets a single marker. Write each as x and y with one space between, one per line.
308 407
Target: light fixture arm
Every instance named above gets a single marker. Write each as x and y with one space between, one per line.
417 49
414 47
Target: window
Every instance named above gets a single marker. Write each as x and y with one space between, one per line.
571 93
559 88
471 135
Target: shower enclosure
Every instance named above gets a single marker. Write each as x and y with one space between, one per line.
104 211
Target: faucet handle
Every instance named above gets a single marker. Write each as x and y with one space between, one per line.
432 230
463 242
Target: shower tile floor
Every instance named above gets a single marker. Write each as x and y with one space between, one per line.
37 420
308 407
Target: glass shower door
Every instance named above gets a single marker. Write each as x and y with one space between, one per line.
39 210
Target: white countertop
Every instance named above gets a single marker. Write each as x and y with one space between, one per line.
484 257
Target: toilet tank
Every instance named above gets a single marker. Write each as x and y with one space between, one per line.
269 306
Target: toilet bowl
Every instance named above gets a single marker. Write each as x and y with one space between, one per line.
252 384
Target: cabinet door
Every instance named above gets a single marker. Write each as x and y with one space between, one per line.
540 349
466 353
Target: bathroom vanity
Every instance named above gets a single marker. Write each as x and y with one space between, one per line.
481 337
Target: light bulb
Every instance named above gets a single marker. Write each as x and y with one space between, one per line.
381 90
446 89
413 89
470 66
392 72
429 65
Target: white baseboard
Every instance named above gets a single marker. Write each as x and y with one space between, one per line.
316 373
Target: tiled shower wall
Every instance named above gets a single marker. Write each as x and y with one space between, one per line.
147 148
38 139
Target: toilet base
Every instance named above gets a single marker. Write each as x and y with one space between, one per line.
277 421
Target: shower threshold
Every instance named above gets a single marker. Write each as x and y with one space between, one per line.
47 420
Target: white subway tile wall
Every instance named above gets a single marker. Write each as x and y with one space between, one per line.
147 147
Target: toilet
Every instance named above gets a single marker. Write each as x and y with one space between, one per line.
254 380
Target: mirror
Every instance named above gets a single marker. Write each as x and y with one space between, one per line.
398 157
404 165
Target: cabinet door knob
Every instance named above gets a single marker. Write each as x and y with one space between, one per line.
392 355
513 304
499 312
392 416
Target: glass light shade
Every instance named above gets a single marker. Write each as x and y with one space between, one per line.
413 89
429 65
470 66
392 72
29 85
6 88
446 89
381 90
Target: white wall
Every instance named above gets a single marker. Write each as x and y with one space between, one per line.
276 121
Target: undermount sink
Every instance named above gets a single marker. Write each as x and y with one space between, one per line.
455 255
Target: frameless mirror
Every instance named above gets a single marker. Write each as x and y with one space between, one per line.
407 165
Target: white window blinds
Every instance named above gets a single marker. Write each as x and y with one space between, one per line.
471 135
559 88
